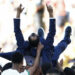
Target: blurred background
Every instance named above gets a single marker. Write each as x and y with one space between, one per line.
34 16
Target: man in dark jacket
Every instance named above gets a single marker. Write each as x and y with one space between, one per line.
29 47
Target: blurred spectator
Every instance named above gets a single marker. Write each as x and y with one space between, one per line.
39 14
62 16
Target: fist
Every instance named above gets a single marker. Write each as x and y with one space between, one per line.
49 8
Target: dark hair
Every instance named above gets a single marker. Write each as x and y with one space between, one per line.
69 71
33 43
73 67
54 70
45 67
17 58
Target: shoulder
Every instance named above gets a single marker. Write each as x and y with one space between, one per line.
6 72
10 72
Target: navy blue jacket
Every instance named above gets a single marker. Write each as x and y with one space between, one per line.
24 47
47 52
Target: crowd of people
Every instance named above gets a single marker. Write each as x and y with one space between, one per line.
38 55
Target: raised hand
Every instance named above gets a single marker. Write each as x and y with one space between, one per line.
19 10
50 10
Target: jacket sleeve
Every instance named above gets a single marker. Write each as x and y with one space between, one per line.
52 31
18 33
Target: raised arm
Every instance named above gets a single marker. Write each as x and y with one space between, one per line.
37 60
52 30
18 33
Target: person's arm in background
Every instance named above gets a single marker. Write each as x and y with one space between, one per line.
17 30
40 6
37 60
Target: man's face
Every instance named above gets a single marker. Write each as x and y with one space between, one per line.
21 67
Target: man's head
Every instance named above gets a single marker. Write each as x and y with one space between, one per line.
17 60
73 68
33 40
69 71
53 72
